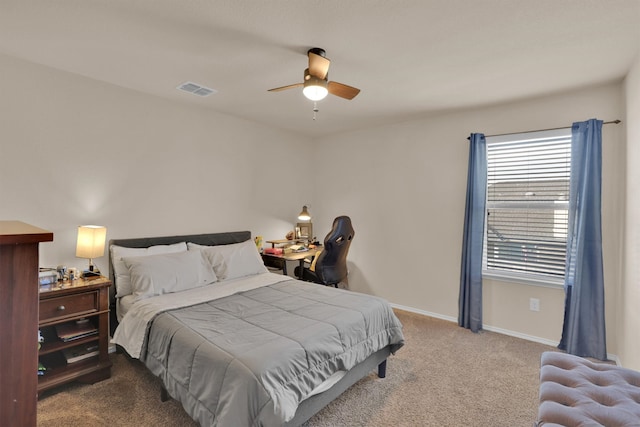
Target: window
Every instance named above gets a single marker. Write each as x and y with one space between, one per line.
527 206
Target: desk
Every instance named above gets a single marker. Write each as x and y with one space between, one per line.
285 242
280 261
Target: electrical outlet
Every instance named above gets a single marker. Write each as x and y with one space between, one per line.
534 304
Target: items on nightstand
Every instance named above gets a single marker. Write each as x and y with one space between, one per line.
47 278
70 331
62 272
82 352
41 368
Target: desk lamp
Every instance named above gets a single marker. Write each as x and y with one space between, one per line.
304 215
91 239
304 229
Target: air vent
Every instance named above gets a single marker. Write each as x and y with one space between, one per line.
196 89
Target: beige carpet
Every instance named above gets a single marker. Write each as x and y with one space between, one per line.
443 376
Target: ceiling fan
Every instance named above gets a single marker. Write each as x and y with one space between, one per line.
316 85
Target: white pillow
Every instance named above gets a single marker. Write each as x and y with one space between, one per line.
166 273
234 260
123 281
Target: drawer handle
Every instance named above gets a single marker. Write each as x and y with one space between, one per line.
61 308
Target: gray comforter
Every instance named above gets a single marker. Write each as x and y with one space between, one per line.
248 359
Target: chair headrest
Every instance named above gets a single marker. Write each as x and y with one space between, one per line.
341 232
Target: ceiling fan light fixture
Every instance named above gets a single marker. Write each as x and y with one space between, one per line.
316 85
315 89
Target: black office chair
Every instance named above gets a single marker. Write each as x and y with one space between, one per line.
331 265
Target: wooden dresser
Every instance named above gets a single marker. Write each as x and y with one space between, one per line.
19 321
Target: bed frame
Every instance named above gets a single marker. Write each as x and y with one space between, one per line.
308 407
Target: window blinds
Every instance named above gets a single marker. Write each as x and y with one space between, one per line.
527 203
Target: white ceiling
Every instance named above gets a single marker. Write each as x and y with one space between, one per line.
409 57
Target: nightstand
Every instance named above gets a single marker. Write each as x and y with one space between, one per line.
74 322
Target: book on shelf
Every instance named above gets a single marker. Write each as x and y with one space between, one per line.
70 331
76 354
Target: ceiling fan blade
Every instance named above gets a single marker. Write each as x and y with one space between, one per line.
318 65
278 89
342 90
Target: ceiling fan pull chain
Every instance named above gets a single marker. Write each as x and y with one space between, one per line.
315 109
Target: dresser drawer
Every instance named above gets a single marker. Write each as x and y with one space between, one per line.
67 306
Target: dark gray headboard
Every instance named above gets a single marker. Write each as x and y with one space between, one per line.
212 239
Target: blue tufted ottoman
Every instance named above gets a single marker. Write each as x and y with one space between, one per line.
577 392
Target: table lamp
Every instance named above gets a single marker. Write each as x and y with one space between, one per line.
304 215
91 239
304 229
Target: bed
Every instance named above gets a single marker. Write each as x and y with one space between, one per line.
234 343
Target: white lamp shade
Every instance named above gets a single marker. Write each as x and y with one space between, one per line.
91 240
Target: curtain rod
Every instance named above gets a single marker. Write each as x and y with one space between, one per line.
615 122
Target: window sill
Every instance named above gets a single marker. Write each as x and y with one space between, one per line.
525 280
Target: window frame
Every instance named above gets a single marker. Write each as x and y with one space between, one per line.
513 276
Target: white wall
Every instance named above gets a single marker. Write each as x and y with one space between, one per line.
630 296
75 151
404 187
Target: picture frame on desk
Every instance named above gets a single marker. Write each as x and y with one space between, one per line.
304 230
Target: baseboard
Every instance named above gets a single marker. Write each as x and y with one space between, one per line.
502 331
527 337
424 313
615 358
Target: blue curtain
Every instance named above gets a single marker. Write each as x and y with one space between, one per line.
583 332
470 299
